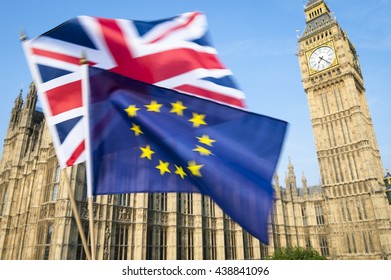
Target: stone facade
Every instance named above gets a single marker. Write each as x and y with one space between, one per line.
346 217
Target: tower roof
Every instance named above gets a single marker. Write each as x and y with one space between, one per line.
310 2
318 16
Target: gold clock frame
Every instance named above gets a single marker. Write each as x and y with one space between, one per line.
310 52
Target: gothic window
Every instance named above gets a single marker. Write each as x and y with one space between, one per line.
124 199
84 194
348 211
185 244
319 214
339 167
304 215
363 207
179 203
307 242
209 249
121 242
157 201
208 207
190 244
354 244
80 252
324 247
359 209
365 243
48 241
151 201
211 208
248 246
190 203
264 250
371 249
150 243
163 202
343 212
185 203
335 171
56 183
156 242
289 241
180 244
45 232
348 244
229 239
3 199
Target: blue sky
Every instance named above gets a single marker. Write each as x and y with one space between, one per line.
255 39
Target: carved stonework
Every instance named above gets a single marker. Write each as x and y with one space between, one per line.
52 210
107 243
43 212
123 214
190 221
84 211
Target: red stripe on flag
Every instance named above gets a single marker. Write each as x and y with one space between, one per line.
76 154
171 63
59 56
212 95
155 67
165 34
116 42
65 97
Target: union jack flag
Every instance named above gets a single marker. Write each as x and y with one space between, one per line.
174 53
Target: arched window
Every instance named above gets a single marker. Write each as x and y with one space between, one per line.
48 241
3 198
56 183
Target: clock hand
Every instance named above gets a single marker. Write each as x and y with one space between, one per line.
321 58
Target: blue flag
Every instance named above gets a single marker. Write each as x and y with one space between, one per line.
149 139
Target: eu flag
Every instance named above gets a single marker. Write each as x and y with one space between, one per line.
150 139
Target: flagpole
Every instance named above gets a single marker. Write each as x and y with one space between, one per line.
76 213
85 93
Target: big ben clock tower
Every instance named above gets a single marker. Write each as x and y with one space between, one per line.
351 170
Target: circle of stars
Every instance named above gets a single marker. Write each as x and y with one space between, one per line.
202 148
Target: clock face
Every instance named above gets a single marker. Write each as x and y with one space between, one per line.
321 58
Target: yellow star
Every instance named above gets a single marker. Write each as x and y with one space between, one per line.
136 129
132 110
179 171
147 152
203 151
206 140
195 169
198 119
154 106
163 167
178 108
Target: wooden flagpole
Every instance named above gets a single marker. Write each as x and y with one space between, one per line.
92 231
76 214
85 94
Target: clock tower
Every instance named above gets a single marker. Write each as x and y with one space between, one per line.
351 170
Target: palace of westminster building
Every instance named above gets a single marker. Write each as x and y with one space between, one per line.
346 217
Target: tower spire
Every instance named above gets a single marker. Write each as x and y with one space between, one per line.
32 97
19 100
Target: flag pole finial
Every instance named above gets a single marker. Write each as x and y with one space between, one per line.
23 36
83 58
